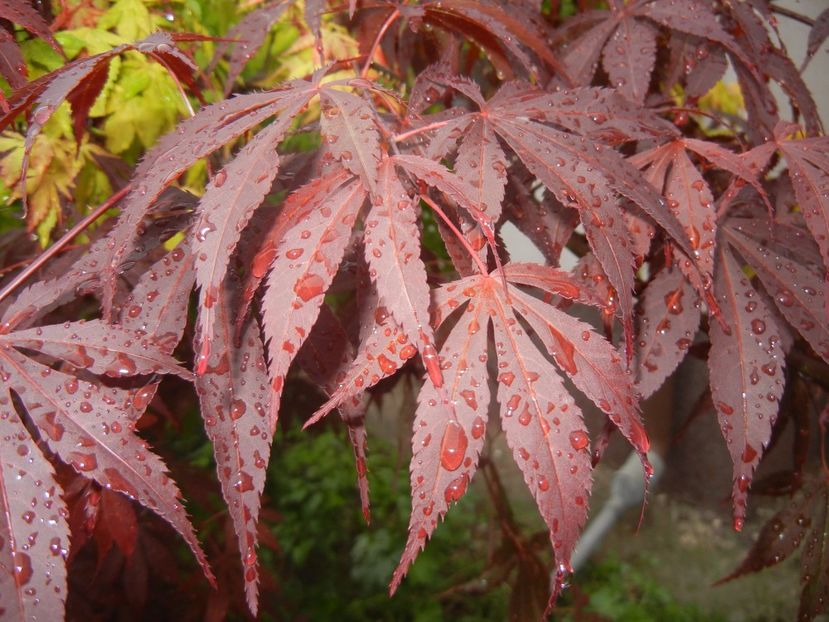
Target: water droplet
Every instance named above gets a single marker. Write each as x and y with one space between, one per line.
309 287
454 491
237 409
579 439
453 446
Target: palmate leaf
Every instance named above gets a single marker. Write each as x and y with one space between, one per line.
234 395
746 365
541 421
90 428
625 38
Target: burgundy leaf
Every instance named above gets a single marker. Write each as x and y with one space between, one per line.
157 304
34 535
250 33
313 17
234 397
350 135
809 171
798 292
746 364
629 57
593 112
436 175
307 260
532 141
814 563
689 198
194 139
296 206
393 255
574 183
482 164
590 361
83 96
12 65
695 17
549 280
582 55
507 29
88 429
448 432
817 35
226 207
23 14
99 347
544 429
780 536
665 327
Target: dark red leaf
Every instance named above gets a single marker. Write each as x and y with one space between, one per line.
226 207
84 425
350 135
12 66
797 290
307 260
34 535
629 57
746 364
449 432
666 323
250 33
393 255
234 396
194 139
23 14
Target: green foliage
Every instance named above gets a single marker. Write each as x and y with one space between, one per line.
331 566
621 592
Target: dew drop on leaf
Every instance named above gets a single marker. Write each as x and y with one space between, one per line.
309 286
453 446
454 491
579 439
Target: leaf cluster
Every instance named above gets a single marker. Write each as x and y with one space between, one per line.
696 230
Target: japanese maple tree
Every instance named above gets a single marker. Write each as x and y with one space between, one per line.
695 231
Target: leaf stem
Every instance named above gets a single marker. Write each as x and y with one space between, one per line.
376 43
419 130
457 233
798 17
63 241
